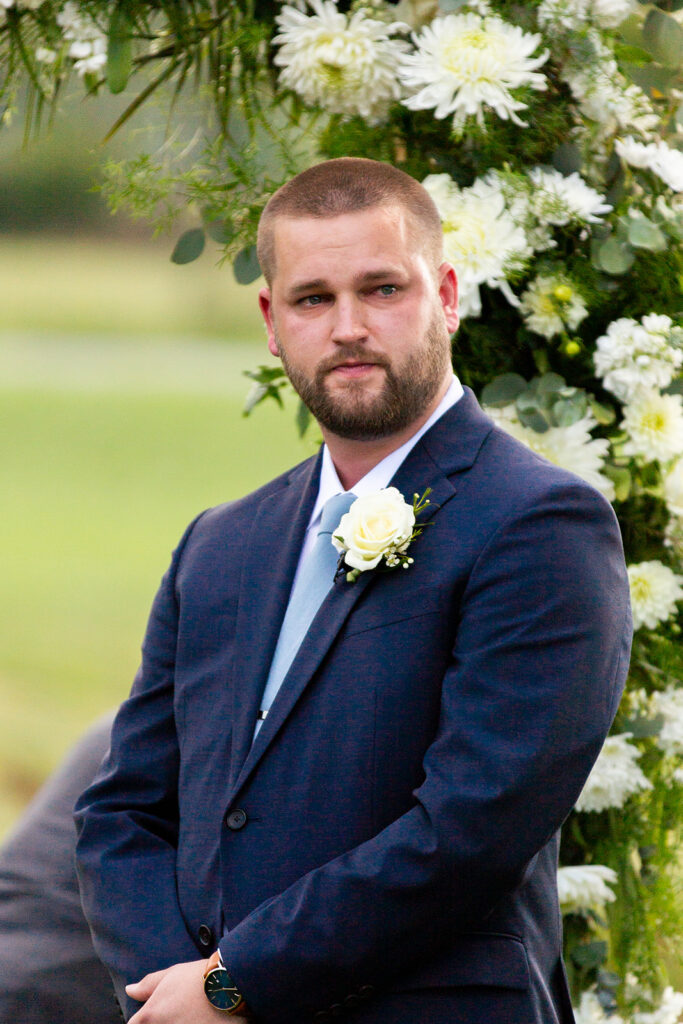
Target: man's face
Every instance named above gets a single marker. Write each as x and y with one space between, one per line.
360 319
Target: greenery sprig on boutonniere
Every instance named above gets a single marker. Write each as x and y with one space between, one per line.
378 527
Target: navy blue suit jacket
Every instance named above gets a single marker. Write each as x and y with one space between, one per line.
388 845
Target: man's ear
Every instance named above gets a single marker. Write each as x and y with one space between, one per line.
266 307
448 293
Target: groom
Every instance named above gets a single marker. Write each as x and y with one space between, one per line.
342 799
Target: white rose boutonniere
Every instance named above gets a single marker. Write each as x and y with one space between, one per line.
378 526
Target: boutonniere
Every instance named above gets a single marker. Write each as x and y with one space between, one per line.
379 526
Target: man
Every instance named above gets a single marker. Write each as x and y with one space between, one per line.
362 818
49 973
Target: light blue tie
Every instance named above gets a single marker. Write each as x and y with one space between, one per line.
312 584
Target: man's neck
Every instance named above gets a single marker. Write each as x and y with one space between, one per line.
353 459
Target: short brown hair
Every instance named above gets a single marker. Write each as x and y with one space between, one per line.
346 185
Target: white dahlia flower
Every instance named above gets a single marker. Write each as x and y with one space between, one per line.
551 304
669 704
590 1011
570 447
345 63
657 157
655 590
654 424
481 238
615 776
632 357
465 64
565 200
673 489
668 1012
88 44
585 887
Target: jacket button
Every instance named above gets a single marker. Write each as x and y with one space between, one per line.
366 991
205 935
351 1002
236 819
336 1009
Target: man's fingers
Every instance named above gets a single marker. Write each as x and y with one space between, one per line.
141 990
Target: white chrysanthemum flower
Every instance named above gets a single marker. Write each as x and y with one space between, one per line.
654 424
615 776
45 56
669 704
481 238
570 447
668 1012
27 5
632 357
655 589
345 63
551 304
88 47
673 489
590 1011
565 200
678 776
465 64
657 157
585 887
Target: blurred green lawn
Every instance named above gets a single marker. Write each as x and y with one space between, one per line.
107 449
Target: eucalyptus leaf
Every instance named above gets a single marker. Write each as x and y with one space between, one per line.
534 419
642 728
246 267
569 410
675 388
549 382
119 51
303 418
189 246
589 954
643 234
503 390
631 30
621 478
604 414
663 36
650 78
615 257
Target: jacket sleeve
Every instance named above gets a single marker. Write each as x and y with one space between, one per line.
127 820
538 663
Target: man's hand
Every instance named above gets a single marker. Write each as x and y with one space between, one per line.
175 994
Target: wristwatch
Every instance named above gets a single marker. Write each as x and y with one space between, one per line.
221 990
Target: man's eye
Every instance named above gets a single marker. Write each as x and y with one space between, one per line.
387 289
311 300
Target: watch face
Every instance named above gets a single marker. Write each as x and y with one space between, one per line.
221 990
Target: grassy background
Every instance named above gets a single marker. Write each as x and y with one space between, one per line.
110 441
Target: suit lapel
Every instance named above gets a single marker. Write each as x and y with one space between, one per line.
450 446
271 554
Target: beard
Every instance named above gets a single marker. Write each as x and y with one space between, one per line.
406 393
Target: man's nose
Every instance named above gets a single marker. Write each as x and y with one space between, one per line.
349 322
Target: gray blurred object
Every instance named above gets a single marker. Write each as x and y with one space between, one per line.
49 973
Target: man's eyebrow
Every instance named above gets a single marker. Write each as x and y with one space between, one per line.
367 277
317 284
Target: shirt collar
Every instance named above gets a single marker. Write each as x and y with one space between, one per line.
380 475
